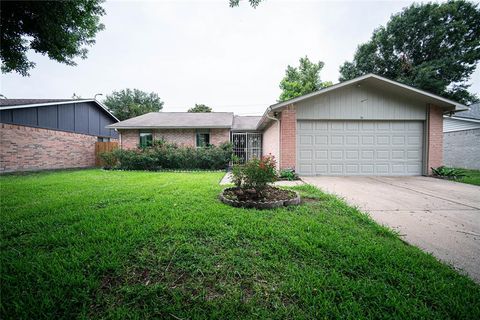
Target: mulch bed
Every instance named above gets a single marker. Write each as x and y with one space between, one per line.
269 198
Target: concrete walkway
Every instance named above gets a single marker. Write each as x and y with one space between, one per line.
441 217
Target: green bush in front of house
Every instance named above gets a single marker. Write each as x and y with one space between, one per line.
166 156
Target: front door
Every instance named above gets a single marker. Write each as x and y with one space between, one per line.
247 145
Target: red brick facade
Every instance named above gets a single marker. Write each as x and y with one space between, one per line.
219 136
288 138
435 138
129 139
26 148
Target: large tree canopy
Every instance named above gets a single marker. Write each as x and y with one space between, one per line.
59 29
433 46
302 80
200 108
130 103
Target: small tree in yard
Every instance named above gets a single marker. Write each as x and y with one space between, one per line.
256 174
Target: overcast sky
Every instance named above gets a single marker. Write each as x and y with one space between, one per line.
188 52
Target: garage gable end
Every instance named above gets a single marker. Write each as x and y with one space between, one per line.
361 102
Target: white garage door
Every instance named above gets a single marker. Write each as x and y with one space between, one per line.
388 148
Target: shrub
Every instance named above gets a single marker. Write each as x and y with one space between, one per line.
109 160
449 173
288 174
255 174
163 155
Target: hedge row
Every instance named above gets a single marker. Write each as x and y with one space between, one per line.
169 156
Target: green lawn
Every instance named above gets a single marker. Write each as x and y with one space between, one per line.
106 244
471 177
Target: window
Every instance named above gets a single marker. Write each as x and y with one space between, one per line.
146 139
103 139
203 138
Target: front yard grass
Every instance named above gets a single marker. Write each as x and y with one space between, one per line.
110 244
471 177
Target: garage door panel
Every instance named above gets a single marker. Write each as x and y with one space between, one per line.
336 169
352 154
321 140
383 140
336 155
321 168
306 140
321 154
352 140
382 155
359 147
337 126
367 155
351 168
382 168
321 126
353 126
337 140
367 169
306 155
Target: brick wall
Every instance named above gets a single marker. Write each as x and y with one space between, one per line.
288 136
461 149
26 148
129 139
435 137
219 136
183 137
186 137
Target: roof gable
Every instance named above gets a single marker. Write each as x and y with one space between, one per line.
385 84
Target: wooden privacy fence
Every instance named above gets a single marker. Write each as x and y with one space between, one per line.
101 147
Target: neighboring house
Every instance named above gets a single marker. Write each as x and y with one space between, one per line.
461 136
365 126
38 134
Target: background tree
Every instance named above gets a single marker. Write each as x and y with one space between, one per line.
433 46
130 103
302 80
59 29
253 3
200 108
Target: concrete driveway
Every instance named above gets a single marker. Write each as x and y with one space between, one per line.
441 217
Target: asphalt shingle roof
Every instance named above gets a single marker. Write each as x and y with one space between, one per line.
178 120
473 113
19 102
245 122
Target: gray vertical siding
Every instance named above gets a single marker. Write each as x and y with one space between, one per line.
66 117
48 117
84 117
360 103
25 117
